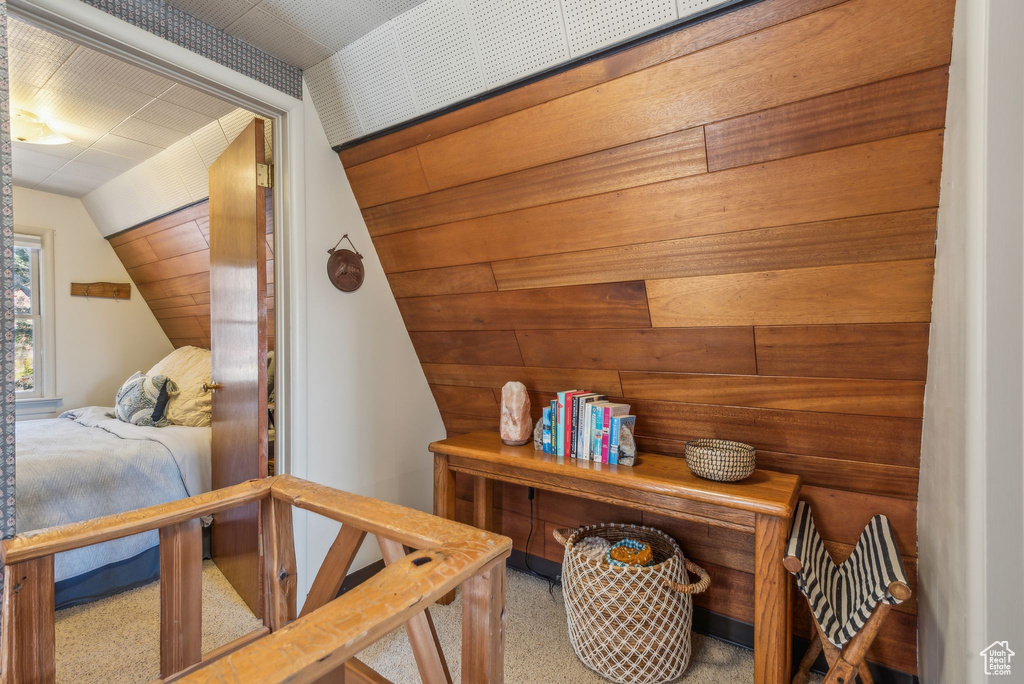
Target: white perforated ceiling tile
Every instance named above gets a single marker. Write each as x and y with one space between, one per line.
147 132
687 8
191 168
23 153
377 80
329 22
392 8
235 122
197 101
269 33
89 113
28 175
89 65
95 157
210 141
126 147
440 53
35 54
329 91
593 24
217 13
172 116
518 38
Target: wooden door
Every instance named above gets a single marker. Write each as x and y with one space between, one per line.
238 341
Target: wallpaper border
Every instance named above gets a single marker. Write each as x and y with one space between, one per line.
7 518
172 24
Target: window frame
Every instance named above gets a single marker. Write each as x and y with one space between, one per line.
43 397
35 244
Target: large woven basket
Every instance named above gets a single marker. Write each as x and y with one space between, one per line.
630 624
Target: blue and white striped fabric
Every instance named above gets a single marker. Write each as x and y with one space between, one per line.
842 597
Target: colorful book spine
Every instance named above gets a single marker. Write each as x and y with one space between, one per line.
606 419
570 417
546 430
588 408
560 425
554 426
595 431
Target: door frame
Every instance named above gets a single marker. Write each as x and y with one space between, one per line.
106 33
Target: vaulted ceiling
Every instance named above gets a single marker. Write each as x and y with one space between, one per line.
116 115
299 32
372 64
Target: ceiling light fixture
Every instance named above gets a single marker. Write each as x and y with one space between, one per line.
26 127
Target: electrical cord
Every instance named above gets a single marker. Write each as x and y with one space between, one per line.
552 581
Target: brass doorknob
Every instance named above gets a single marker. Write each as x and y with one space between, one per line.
212 386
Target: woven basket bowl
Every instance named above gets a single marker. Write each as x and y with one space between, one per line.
720 459
630 625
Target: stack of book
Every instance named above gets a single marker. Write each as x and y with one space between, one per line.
583 425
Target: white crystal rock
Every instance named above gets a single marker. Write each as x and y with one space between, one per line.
516 426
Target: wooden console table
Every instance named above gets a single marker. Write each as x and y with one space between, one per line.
762 504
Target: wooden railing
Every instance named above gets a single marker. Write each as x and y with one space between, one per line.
319 645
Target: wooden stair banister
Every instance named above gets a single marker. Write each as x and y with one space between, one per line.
287 648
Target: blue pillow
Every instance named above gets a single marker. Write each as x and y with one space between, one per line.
142 400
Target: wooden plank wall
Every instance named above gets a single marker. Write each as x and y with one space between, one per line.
168 259
732 228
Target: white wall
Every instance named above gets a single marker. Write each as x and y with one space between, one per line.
99 342
370 414
971 530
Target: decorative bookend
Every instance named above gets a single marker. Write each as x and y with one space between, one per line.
516 426
627 447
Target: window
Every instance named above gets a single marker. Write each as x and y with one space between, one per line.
29 334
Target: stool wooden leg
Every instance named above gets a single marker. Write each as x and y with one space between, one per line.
804 671
865 673
483 626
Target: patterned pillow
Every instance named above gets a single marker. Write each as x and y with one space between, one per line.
142 399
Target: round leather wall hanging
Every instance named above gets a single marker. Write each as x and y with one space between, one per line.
345 267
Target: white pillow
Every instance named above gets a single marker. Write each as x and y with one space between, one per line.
189 368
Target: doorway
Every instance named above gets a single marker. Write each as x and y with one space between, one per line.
108 35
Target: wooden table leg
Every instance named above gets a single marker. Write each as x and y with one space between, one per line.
444 502
772 637
483 503
483 626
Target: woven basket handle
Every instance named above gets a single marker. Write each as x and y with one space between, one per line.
562 535
698 587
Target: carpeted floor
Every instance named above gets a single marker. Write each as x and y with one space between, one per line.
117 639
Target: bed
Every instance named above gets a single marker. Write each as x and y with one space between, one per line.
86 464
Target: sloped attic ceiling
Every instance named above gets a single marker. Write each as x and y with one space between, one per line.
299 32
116 115
373 64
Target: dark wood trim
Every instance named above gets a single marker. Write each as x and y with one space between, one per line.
678 25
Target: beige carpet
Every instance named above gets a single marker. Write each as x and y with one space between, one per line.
117 639
537 649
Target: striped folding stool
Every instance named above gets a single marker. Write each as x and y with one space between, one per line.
850 600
